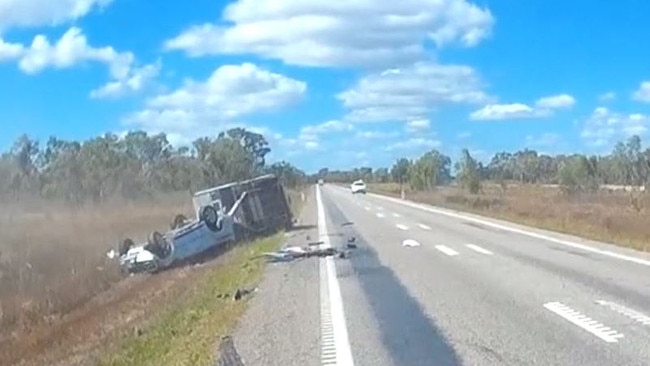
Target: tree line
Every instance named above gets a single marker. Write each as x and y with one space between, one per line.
134 166
628 164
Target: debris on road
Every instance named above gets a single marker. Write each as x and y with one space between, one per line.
410 243
347 223
351 242
241 292
291 253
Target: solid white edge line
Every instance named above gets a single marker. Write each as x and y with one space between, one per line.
476 248
327 267
594 327
446 250
515 230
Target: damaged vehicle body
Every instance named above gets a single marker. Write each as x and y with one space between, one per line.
225 214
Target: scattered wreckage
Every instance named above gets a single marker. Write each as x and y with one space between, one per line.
313 249
225 214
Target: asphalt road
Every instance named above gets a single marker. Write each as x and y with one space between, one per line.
471 292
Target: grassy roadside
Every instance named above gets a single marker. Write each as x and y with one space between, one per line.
607 217
186 332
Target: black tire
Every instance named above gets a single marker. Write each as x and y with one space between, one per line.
157 245
178 222
124 246
210 217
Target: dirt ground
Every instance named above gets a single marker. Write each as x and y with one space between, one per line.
613 216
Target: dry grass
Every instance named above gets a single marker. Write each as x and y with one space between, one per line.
53 258
618 217
63 301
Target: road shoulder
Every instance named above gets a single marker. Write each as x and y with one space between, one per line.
281 324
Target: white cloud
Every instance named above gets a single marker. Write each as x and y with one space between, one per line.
73 49
555 102
543 107
10 51
414 143
31 13
230 92
604 127
135 80
337 33
643 93
605 97
418 125
411 93
503 111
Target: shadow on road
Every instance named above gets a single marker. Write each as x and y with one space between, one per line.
409 336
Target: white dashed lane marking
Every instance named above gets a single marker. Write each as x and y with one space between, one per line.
397 215
599 330
367 208
402 227
446 250
476 248
379 214
425 227
630 313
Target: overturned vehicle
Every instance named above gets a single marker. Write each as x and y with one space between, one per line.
225 214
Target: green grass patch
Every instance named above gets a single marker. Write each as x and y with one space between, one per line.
187 332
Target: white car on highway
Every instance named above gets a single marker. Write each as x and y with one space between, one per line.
358 186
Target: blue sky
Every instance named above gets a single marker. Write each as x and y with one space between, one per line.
343 85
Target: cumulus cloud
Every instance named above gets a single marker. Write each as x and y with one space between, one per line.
503 111
411 93
543 107
556 102
418 125
604 127
135 80
337 33
229 93
31 13
73 49
643 93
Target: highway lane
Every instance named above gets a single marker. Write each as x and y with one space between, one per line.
467 295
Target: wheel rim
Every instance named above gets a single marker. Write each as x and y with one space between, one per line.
211 216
